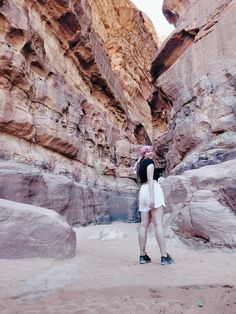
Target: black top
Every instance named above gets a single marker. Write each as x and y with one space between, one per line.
142 171
158 173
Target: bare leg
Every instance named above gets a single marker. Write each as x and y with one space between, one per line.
157 215
143 228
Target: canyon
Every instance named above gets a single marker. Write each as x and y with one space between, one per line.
83 85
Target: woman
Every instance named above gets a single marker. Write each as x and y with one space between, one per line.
151 206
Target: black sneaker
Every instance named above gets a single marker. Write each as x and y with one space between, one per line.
167 260
143 259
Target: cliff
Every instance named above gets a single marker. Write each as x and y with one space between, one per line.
193 107
74 82
84 83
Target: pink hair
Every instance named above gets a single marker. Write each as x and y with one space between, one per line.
144 149
142 152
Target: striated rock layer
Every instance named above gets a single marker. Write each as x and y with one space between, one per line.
73 87
193 107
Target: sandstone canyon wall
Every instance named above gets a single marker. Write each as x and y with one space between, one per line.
73 85
194 112
78 95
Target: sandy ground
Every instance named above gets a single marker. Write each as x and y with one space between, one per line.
105 277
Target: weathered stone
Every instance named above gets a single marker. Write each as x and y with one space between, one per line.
202 204
29 231
193 106
74 84
124 29
80 202
174 9
65 104
44 105
194 99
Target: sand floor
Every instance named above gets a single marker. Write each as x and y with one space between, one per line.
105 277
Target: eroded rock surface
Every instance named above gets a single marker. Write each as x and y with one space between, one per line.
73 85
78 202
29 231
193 107
202 204
194 101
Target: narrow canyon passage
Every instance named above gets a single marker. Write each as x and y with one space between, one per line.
83 86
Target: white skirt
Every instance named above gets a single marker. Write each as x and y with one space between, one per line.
144 197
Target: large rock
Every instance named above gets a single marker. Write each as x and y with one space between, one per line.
202 204
29 231
175 9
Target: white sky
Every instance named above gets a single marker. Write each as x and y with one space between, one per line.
153 9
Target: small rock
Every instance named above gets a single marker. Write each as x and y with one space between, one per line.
200 303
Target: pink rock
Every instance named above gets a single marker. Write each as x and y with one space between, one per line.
30 231
202 204
79 202
194 91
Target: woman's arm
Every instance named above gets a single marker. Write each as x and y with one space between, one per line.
150 172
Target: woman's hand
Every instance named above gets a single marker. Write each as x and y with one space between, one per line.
151 205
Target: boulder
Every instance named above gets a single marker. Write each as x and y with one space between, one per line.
202 204
29 231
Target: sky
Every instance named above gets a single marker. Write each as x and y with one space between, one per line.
153 9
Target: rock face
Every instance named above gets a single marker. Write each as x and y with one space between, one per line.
78 203
193 100
29 231
72 82
202 203
77 101
123 30
193 107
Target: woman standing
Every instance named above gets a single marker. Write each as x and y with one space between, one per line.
151 206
